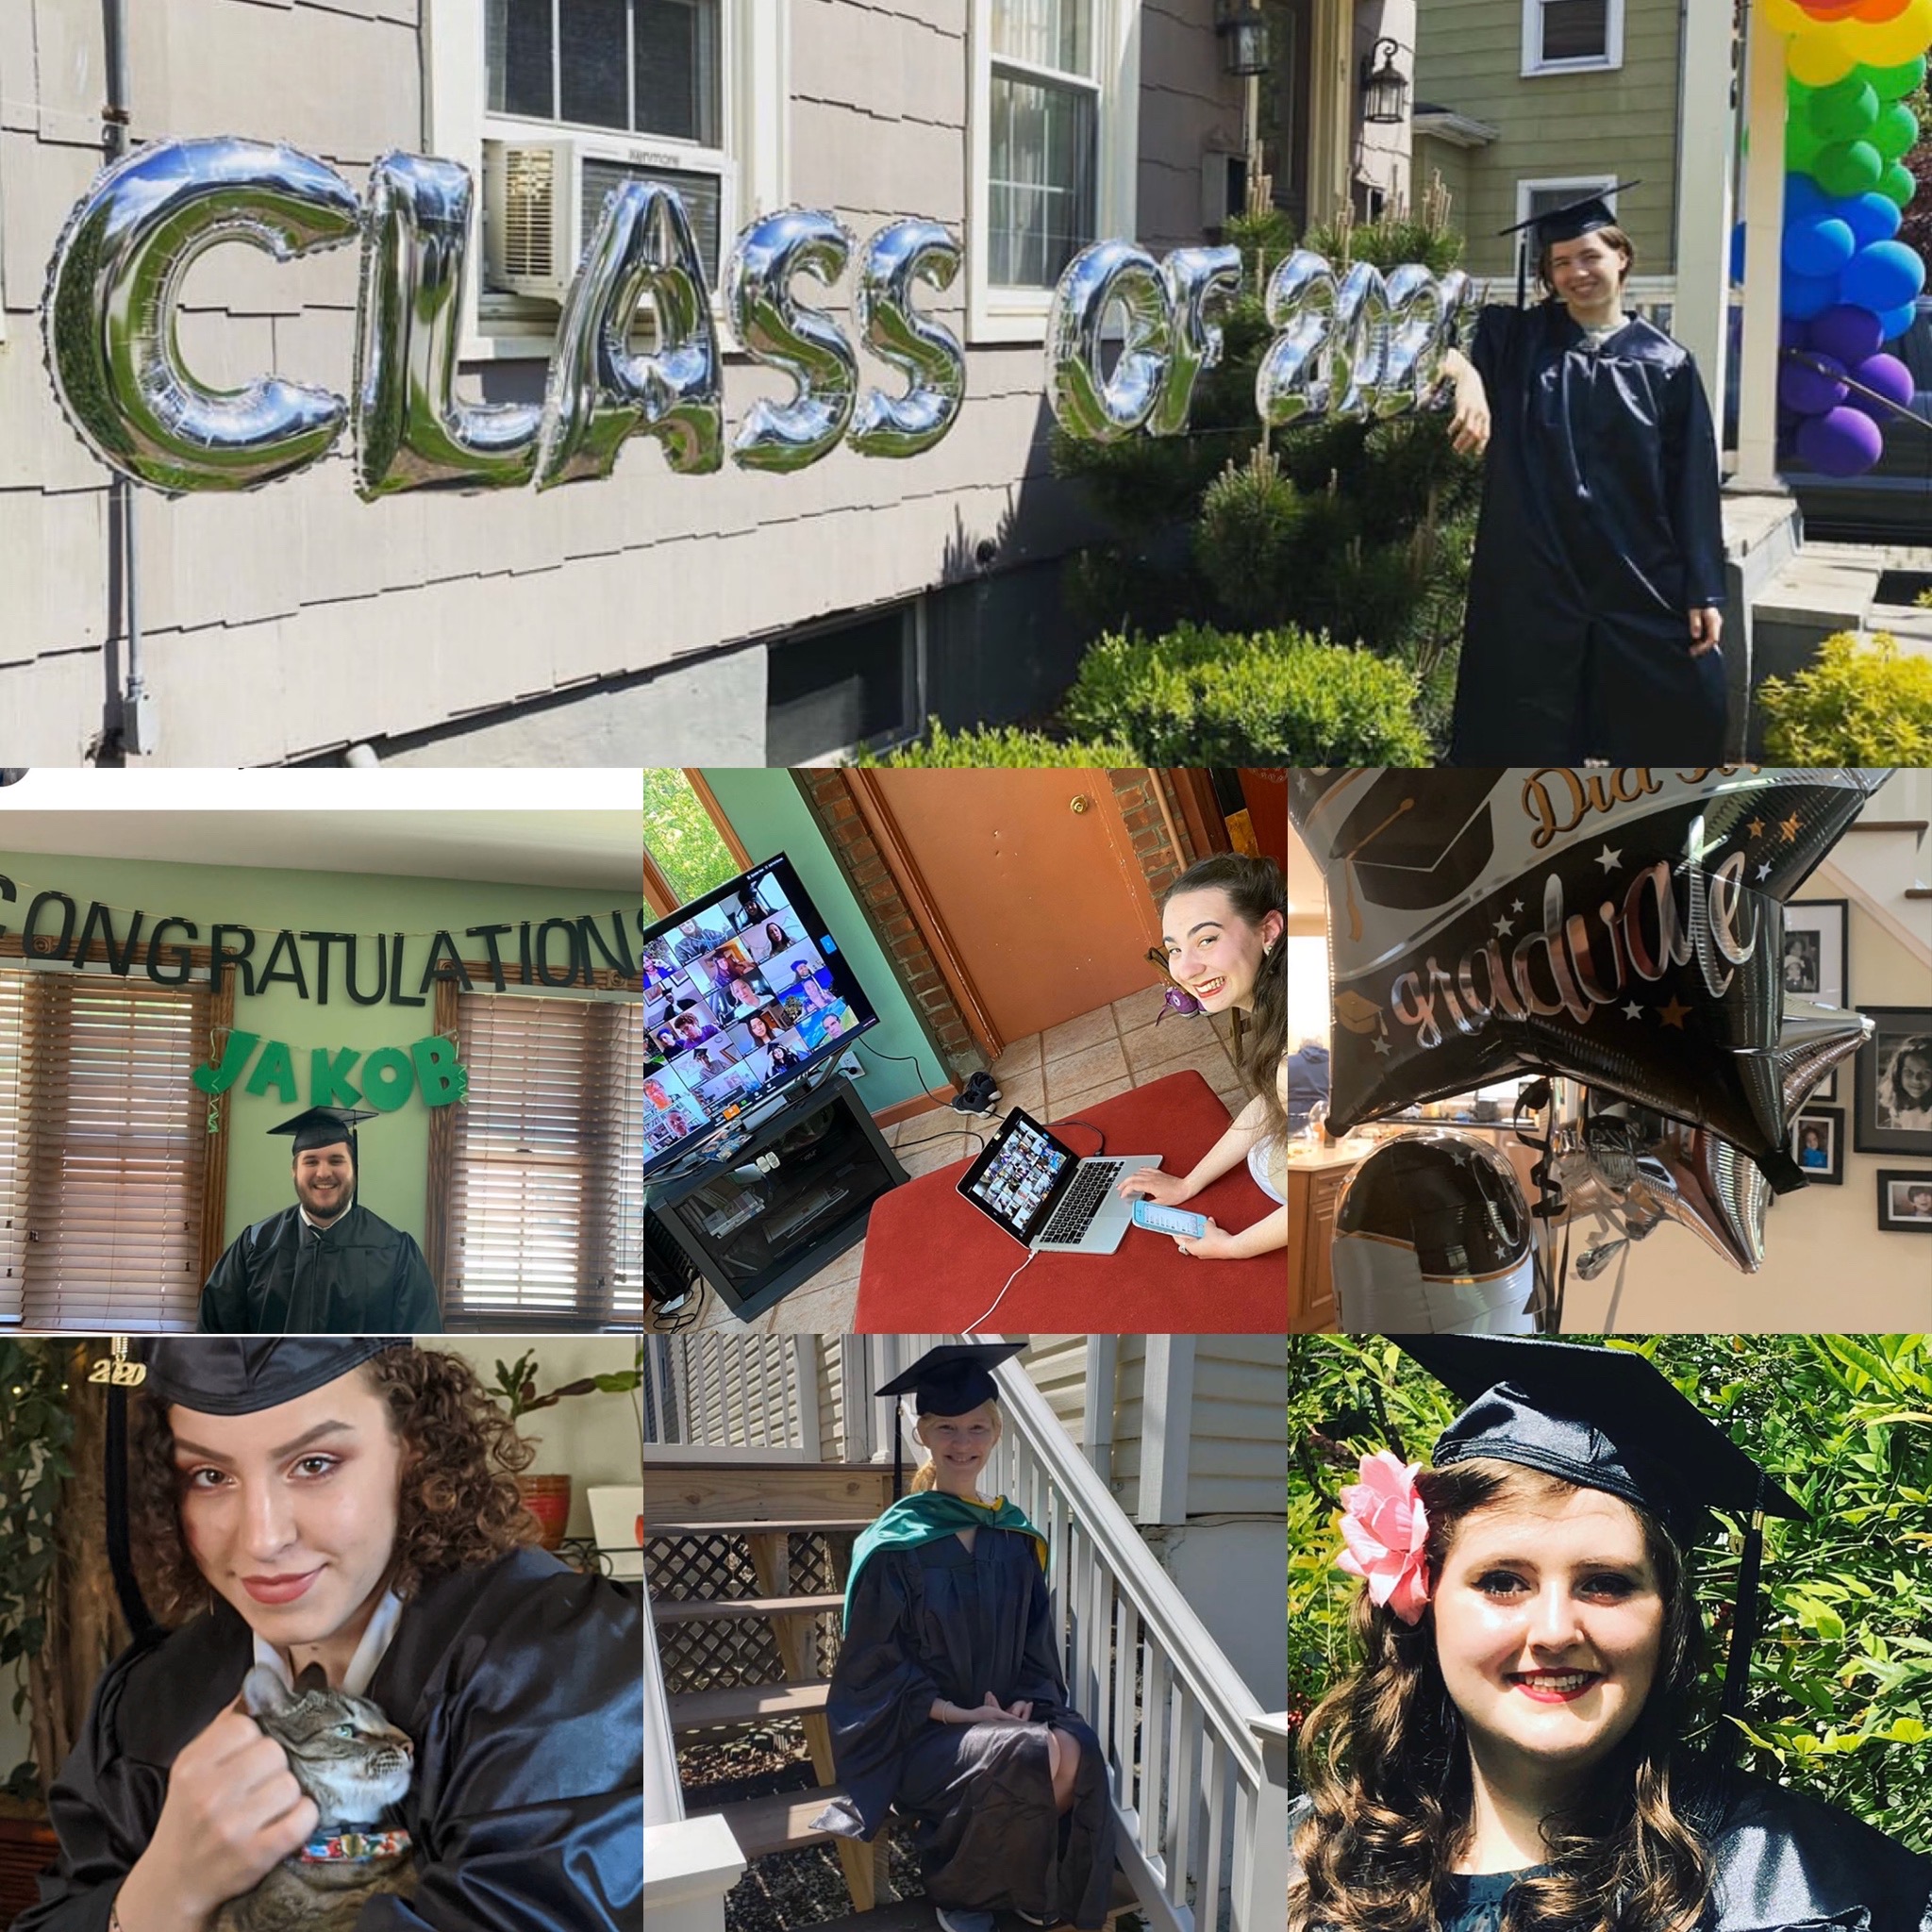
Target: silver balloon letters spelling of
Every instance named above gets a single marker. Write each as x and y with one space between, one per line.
1357 344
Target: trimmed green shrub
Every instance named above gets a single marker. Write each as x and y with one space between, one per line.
1198 696
1841 1694
1001 744
1861 704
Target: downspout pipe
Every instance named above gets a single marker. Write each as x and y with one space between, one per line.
136 719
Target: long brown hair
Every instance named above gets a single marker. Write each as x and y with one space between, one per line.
1385 1762
459 1508
1255 889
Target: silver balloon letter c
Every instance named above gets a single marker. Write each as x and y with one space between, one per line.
109 318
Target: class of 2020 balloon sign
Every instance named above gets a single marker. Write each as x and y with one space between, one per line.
1354 343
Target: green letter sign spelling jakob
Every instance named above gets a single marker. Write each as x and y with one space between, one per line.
390 1074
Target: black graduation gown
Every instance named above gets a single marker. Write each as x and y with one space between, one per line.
358 1275
1601 531
1783 1862
520 1686
940 1622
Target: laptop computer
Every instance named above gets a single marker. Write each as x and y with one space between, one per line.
1045 1196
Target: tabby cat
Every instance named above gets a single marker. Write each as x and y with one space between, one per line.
348 1758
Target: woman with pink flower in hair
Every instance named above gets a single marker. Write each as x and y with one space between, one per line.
1511 1752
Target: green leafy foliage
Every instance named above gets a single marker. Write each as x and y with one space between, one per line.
36 1431
516 1383
680 835
1003 744
1841 1700
1860 703
1199 695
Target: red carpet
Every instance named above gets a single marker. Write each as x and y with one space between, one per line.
932 1263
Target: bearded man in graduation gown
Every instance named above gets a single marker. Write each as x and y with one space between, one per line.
327 1265
1596 592
346 1507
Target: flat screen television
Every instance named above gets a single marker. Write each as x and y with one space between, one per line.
745 992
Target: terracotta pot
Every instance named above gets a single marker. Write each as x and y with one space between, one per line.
28 1845
547 1498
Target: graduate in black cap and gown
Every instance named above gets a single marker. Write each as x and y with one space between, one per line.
1596 593
1509 1754
348 1503
325 1266
948 1703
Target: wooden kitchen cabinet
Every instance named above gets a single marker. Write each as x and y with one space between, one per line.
1314 1193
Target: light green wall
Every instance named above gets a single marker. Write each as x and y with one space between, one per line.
393 1179
769 815
1622 123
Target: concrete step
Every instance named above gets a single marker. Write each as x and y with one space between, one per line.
698 1710
779 1823
715 1609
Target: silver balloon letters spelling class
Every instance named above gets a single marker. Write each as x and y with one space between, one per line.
1352 344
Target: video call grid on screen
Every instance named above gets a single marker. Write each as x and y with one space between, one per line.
1020 1176
741 996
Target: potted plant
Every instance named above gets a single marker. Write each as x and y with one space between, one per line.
547 1497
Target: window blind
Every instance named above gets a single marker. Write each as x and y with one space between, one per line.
546 1189
1575 29
109 1145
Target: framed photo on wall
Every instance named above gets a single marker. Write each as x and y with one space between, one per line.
1818 1144
1817 963
1904 1201
1893 1114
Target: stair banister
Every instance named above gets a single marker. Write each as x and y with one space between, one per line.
663 1798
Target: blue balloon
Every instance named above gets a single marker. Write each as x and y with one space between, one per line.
1885 276
1803 197
1738 252
1805 296
1872 217
1818 245
1897 322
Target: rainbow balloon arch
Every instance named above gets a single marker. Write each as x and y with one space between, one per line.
1849 286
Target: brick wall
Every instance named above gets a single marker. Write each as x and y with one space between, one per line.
1161 863
829 797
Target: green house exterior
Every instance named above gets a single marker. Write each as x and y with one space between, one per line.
1486 125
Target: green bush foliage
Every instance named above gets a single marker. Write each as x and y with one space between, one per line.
1003 744
1841 1700
1199 695
1861 704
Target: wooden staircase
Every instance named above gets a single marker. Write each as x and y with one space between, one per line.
772 1513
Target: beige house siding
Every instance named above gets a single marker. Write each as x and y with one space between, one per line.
1190 112
1237 1453
298 620
1620 124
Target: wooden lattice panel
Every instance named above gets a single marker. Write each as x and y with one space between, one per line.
733 1651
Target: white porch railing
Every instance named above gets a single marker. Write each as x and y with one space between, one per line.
1204 1813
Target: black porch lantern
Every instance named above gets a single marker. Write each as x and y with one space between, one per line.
1243 31
1385 92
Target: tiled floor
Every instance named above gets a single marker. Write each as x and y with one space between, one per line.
1053 1076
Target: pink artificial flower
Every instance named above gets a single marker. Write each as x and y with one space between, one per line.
1384 1527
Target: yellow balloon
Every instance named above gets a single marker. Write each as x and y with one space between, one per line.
1786 17
1819 58
1888 43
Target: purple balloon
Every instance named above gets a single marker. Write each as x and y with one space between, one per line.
1841 442
1889 378
1884 277
1847 333
1811 391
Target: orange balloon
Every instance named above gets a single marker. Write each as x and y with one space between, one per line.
1880 9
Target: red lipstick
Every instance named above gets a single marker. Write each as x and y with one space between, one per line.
279 1589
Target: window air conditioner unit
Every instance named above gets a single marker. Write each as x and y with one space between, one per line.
542 199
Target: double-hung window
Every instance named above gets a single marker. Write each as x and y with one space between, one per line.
1054 128
1561 35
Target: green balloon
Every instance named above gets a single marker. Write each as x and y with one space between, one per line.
1849 167
1897 183
1896 132
1894 83
1844 114
1801 148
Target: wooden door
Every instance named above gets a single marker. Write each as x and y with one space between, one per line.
1030 879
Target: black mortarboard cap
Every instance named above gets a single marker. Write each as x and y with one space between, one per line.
322 1127
952 1379
1607 1419
1570 222
239 1375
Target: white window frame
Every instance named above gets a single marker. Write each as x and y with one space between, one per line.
1574 188
755 137
1019 315
1611 57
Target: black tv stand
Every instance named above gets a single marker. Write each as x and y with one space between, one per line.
794 1193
